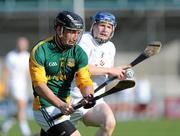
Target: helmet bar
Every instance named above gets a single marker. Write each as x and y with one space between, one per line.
76 29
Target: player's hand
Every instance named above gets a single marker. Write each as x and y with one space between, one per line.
66 109
118 72
89 101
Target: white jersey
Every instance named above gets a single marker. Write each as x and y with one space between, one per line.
98 55
18 64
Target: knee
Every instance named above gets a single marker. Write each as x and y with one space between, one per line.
110 123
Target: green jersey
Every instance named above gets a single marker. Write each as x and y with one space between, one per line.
56 67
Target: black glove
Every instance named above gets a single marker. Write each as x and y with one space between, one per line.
90 102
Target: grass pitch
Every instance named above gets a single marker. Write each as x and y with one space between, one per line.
130 128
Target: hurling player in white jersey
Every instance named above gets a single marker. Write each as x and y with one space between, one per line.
101 52
15 76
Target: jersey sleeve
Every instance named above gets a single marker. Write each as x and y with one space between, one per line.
83 76
36 66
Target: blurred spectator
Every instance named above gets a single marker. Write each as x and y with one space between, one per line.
14 77
2 87
143 98
2 93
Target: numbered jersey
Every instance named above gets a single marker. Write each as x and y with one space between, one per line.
98 55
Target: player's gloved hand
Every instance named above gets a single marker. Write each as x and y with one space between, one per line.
89 101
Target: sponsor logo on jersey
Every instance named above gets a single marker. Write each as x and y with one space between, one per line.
71 62
52 64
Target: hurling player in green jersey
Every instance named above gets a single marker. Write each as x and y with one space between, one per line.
54 63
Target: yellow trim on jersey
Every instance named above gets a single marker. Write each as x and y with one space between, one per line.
84 81
68 99
38 73
36 103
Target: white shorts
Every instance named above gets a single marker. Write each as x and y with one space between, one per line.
79 113
44 115
19 91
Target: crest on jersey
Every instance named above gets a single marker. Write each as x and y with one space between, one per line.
71 62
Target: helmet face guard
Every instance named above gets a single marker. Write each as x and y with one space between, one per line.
105 17
70 21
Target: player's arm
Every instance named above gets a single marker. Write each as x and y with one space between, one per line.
44 91
83 78
85 84
5 74
113 71
4 81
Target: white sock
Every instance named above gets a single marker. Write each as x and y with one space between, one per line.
6 126
24 127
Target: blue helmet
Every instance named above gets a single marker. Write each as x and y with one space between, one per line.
107 17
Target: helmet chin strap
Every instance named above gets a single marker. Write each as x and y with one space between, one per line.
101 41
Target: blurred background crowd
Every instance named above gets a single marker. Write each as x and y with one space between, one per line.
138 23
